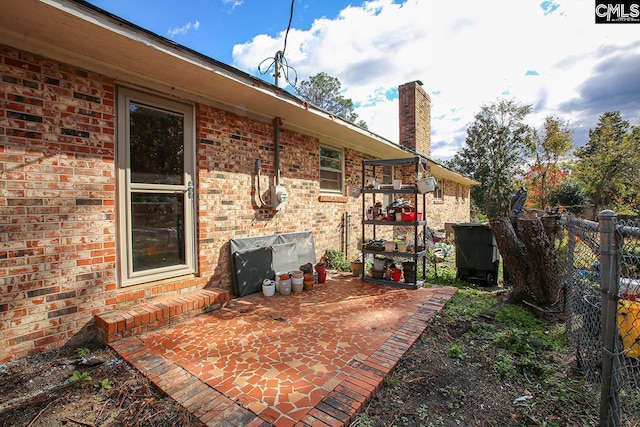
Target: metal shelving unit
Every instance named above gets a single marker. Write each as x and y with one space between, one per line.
419 200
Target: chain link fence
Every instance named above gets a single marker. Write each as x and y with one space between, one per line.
602 281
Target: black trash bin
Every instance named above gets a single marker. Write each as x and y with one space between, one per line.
477 258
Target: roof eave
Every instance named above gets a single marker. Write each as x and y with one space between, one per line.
70 30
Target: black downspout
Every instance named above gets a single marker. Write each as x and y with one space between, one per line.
347 224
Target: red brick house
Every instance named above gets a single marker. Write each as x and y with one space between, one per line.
128 163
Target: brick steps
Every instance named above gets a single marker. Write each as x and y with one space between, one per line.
156 313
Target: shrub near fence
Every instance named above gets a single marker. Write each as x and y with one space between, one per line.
602 268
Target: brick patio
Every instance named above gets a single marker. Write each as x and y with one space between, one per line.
312 358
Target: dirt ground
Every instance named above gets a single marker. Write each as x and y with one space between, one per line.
38 391
451 377
432 386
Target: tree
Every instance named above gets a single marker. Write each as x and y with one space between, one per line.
494 154
570 196
323 91
544 175
541 182
607 166
529 252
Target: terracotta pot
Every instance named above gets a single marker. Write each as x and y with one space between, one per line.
283 275
321 269
356 268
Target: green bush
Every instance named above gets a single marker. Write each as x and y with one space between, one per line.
335 260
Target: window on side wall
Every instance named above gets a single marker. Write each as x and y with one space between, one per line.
331 170
386 178
156 190
438 193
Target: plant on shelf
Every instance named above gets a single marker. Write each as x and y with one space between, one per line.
401 244
352 180
353 185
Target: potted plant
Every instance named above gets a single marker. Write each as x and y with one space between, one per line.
372 183
379 262
357 266
401 244
389 245
353 186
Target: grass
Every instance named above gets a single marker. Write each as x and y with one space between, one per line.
526 360
524 345
517 334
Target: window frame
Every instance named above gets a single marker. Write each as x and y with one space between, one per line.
341 172
387 179
126 188
438 193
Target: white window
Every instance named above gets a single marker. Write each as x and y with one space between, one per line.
331 170
439 191
386 178
155 187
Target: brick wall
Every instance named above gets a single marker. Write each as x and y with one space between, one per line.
58 265
58 210
455 205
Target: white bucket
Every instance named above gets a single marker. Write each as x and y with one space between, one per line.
389 246
268 287
397 184
297 285
426 185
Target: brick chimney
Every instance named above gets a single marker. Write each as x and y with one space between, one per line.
415 117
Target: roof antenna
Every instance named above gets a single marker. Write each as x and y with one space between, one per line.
279 62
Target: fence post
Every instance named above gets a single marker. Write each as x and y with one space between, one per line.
609 290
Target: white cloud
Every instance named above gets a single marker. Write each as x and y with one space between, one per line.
233 3
466 53
181 31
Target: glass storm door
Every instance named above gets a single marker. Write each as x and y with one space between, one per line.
156 175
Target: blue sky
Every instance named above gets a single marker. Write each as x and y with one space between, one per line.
213 27
549 54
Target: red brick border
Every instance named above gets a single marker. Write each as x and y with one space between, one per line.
131 321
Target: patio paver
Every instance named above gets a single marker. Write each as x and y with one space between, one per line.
312 358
